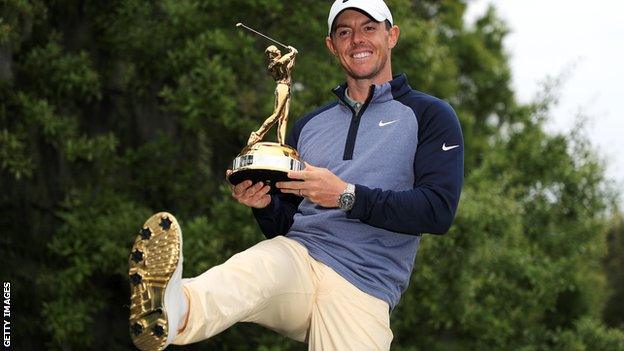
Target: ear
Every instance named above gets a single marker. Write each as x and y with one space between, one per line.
330 46
393 38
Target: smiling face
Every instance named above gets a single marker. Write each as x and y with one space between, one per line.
363 46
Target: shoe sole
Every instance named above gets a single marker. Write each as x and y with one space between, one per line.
153 259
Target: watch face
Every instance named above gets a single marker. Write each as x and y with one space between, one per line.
346 201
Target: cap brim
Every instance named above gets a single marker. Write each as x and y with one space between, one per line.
373 14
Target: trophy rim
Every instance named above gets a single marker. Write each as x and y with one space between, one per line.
262 162
287 150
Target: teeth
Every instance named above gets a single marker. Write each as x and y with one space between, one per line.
360 55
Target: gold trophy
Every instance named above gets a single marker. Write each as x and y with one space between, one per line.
265 161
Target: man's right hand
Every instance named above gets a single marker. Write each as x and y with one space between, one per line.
252 195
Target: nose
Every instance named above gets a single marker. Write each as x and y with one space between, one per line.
356 38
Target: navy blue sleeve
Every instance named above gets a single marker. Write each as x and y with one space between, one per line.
438 176
277 218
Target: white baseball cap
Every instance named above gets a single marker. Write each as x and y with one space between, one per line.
377 9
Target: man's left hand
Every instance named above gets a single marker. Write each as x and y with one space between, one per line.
319 185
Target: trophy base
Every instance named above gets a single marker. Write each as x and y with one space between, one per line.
266 176
268 163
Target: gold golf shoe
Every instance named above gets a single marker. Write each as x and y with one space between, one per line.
155 283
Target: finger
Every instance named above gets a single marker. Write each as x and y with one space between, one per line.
309 168
240 188
290 185
301 175
247 195
261 193
252 190
291 191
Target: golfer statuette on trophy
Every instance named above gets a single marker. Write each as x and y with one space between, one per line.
269 162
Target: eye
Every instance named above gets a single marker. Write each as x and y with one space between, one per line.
342 33
370 28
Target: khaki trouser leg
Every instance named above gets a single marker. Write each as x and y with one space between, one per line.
268 284
278 285
346 318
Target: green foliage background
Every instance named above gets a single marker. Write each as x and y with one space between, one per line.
112 110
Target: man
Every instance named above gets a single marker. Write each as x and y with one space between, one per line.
280 67
383 164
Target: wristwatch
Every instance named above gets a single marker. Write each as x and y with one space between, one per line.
347 198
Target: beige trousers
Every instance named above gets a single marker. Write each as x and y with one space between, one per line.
278 285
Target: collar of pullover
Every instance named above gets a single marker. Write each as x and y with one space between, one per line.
393 89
